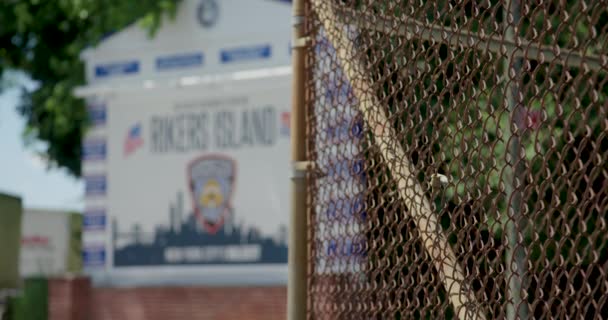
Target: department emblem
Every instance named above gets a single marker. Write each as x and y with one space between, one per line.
207 13
211 186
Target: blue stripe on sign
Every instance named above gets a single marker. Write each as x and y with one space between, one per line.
97 115
94 149
94 256
179 61
116 68
94 220
245 53
95 185
346 246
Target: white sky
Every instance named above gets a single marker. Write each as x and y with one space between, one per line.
23 173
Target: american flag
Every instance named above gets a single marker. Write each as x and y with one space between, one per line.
133 139
285 123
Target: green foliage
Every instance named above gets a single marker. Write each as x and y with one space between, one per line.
43 39
74 259
32 303
11 210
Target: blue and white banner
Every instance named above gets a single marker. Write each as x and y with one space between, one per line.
94 255
246 53
94 220
97 114
179 61
342 239
116 68
95 185
94 149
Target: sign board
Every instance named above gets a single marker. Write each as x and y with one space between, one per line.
187 164
45 242
207 37
10 232
193 177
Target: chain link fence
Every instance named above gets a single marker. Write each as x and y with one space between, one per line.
460 159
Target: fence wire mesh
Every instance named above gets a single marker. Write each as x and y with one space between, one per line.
459 152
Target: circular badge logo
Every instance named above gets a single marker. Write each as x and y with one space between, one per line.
207 13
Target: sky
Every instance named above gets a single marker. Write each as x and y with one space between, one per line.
23 173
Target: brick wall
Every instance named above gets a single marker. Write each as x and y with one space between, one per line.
214 303
69 298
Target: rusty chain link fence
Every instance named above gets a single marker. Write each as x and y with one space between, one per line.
460 159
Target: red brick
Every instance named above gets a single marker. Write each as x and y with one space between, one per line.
69 298
74 299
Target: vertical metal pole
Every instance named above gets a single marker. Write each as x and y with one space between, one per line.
296 289
517 306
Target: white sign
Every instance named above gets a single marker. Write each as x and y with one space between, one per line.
206 37
199 168
193 177
187 163
44 243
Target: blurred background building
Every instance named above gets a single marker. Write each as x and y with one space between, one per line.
185 169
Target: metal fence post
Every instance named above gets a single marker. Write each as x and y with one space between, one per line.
296 289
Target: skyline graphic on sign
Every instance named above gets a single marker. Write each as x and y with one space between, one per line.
184 242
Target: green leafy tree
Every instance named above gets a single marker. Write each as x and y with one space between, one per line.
43 39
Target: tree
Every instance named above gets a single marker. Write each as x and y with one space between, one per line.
43 39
